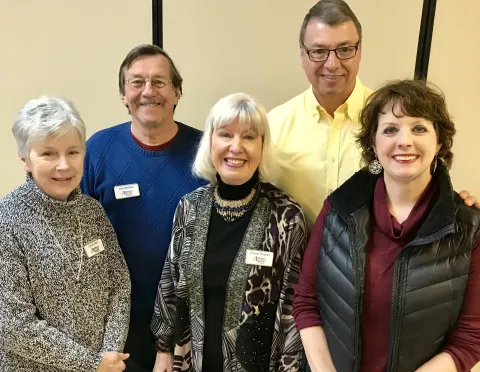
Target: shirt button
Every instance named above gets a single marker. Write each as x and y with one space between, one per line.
333 160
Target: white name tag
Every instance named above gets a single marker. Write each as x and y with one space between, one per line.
126 191
260 258
93 248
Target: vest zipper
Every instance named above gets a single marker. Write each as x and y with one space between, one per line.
397 309
359 279
358 339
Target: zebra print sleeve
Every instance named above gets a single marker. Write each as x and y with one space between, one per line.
296 240
163 321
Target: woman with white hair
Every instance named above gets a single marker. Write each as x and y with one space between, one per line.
225 297
64 285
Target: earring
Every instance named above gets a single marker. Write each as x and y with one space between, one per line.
434 168
375 167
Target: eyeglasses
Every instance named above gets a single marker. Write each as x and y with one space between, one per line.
342 53
139 83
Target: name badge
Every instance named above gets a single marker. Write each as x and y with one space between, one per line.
126 191
259 258
93 248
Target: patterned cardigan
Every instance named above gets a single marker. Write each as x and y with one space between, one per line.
258 299
49 320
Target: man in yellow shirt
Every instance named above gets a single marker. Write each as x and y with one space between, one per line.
315 131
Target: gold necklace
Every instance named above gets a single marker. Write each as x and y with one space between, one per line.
232 210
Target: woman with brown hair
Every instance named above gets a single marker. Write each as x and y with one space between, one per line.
391 275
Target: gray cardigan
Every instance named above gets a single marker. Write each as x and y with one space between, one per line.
49 320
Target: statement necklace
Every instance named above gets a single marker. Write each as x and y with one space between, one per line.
232 210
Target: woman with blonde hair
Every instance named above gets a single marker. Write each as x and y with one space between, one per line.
224 301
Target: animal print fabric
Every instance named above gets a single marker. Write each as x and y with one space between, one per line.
49 321
259 299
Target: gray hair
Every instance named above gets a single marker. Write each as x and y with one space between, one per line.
332 13
44 117
241 107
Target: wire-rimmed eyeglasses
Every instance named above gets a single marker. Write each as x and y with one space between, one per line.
139 83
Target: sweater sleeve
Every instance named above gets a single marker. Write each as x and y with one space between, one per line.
464 343
163 320
117 321
88 178
305 304
23 333
296 240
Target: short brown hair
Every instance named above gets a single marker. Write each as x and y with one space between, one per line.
332 13
416 98
148 50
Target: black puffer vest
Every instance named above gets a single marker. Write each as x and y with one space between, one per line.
430 275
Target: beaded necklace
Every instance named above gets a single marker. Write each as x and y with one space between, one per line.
232 210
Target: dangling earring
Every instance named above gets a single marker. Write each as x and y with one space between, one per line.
434 168
375 167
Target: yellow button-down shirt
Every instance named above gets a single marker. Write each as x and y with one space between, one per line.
316 152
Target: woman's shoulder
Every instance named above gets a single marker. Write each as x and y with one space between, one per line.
280 200
7 214
465 213
12 207
91 205
197 194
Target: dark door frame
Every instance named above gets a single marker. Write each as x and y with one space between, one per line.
425 39
157 22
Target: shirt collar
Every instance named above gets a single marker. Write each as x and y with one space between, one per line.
356 100
352 105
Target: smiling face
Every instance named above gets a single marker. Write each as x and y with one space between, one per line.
405 145
56 164
150 106
333 77
236 151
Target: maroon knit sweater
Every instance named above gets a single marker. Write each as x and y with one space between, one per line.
387 237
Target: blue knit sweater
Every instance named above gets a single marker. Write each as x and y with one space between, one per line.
143 224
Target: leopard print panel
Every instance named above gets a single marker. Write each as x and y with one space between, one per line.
265 283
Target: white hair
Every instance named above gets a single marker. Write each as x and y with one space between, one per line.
249 113
45 117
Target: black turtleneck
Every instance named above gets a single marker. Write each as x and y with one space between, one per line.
223 242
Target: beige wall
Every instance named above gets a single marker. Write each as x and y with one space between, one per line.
228 46
252 46
454 67
68 48
390 38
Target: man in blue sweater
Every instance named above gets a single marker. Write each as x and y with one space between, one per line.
138 171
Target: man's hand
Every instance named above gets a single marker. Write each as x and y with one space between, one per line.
163 363
469 199
112 362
